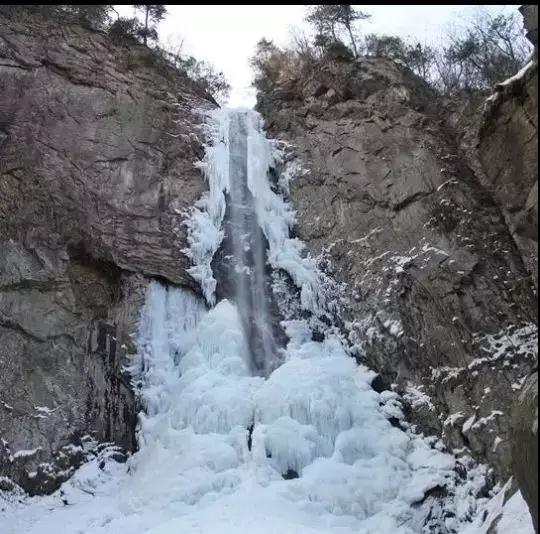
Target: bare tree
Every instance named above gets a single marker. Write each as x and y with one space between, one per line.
491 49
304 46
174 48
323 19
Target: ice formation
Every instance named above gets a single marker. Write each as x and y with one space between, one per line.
308 449
204 224
275 217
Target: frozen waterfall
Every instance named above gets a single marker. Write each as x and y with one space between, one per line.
241 432
242 262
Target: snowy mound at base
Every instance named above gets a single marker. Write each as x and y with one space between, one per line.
196 472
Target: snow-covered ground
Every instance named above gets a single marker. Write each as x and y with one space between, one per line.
311 448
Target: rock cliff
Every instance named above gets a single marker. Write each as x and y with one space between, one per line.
525 443
507 148
441 303
97 145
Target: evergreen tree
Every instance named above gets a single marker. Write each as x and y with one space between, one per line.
346 15
125 30
329 20
152 13
96 17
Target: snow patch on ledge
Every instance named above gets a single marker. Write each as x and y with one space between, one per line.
501 515
517 78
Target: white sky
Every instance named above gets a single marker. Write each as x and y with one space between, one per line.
226 35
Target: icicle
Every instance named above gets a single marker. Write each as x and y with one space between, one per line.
204 223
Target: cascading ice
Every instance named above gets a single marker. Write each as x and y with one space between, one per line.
274 216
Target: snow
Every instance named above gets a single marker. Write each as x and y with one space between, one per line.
24 453
215 442
452 181
519 75
496 443
366 238
43 412
416 397
515 516
507 343
394 327
483 421
467 425
418 256
452 419
45 409
501 515
6 405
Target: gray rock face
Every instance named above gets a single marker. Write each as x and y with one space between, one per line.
109 146
64 328
441 303
508 152
97 145
530 22
525 443
499 139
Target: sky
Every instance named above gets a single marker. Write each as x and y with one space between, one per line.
226 35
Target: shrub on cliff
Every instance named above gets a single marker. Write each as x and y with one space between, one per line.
275 66
124 30
95 16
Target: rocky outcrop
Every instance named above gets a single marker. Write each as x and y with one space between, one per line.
97 145
499 138
440 302
508 152
109 142
65 323
525 443
530 23
507 156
